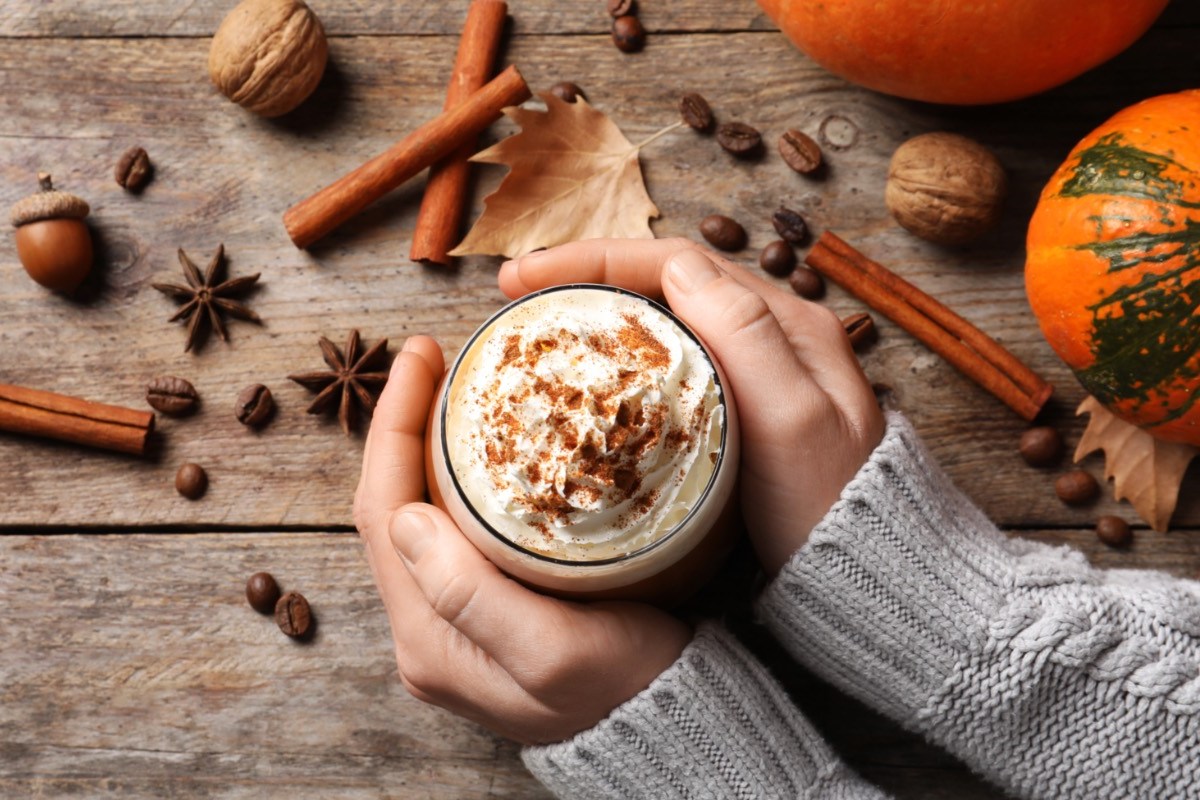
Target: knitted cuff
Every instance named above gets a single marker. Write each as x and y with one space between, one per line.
900 577
713 725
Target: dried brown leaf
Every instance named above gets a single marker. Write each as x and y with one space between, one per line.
573 175
1148 472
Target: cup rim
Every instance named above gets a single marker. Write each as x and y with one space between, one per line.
466 501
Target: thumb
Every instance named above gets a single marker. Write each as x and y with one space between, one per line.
465 589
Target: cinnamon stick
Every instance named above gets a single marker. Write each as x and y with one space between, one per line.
316 216
976 339
440 217
946 333
55 416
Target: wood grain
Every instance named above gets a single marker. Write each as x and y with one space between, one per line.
133 666
224 176
129 18
130 664
121 18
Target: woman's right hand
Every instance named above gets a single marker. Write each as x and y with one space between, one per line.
808 416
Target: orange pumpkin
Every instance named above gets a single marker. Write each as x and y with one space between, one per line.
1113 264
964 52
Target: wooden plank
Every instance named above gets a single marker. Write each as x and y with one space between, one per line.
223 176
97 18
120 18
132 666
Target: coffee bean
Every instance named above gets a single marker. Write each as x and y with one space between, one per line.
191 481
171 395
262 592
861 330
696 112
567 91
254 404
133 169
628 34
777 258
1040 447
722 232
622 8
800 152
293 615
1076 487
790 225
807 283
739 138
1114 531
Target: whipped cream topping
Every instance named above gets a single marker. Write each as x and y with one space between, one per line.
584 423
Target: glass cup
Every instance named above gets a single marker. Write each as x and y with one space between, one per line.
663 565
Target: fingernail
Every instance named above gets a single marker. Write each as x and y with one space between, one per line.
690 270
510 264
408 345
412 532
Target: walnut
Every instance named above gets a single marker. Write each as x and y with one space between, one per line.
945 188
268 55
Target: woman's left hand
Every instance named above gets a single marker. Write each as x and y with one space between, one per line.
469 638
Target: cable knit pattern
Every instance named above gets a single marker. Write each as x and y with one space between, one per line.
714 725
1053 679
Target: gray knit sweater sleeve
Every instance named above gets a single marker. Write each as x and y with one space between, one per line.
1051 678
715 725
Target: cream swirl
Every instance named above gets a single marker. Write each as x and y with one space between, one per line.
584 423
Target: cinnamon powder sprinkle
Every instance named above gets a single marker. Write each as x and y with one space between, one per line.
512 349
638 338
603 459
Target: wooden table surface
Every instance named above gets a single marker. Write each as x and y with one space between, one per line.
130 664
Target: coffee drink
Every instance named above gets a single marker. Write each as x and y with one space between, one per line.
585 427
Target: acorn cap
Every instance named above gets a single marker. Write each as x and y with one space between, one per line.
48 204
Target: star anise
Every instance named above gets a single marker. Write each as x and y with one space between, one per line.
204 298
350 379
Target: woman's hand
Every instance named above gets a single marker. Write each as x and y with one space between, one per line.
538 669
809 418
468 638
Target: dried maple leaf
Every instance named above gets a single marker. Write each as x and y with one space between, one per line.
573 176
1148 471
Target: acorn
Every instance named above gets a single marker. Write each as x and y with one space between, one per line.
53 242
